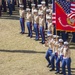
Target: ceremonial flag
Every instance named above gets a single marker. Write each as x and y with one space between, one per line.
65 15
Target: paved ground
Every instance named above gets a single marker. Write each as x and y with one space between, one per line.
21 55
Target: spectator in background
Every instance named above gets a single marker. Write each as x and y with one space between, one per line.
24 3
10 6
22 18
46 2
29 3
29 22
4 5
15 2
0 7
35 2
50 1
13 5
73 39
39 1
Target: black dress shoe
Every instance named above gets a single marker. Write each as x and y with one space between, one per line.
61 73
56 72
30 36
43 42
48 65
52 69
36 39
22 32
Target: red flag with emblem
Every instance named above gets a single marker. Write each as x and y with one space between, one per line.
65 22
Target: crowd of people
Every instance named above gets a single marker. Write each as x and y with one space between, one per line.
58 54
4 4
38 19
10 4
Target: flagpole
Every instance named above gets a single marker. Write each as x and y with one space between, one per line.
55 26
71 38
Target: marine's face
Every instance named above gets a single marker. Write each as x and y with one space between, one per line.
50 7
40 8
35 13
41 16
33 7
57 39
61 43
21 8
54 39
28 11
50 37
49 20
43 5
65 46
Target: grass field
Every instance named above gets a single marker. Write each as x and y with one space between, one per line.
21 55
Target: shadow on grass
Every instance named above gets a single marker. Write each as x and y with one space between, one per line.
72 47
73 68
22 51
72 44
13 17
72 71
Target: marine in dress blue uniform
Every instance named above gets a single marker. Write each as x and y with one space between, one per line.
0 7
32 12
66 59
47 14
60 56
50 29
4 5
39 1
41 27
54 54
10 6
29 22
22 18
24 3
64 35
36 24
35 2
13 5
48 43
73 39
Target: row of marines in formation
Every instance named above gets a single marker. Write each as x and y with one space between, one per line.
38 20
58 54
41 19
